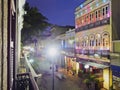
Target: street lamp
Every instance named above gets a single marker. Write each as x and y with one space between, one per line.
52 52
86 67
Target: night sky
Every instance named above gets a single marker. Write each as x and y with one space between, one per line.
60 12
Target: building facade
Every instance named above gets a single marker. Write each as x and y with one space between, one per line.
93 22
9 34
7 44
115 64
19 26
70 58
115 54
3 44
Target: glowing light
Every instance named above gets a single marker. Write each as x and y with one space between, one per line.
32 49
81 6
31 60
71 41
86 66
108 14
52 51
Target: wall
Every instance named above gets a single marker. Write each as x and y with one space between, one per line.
3 44
107 77
115 19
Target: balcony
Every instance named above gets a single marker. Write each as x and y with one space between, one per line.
25 81
93 25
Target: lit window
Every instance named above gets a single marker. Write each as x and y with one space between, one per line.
81 6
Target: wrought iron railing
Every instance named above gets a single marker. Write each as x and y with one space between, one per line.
25 81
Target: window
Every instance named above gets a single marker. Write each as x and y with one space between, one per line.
90 17
96 42
91 40
103 11
106 9
105 39
99 13
96 14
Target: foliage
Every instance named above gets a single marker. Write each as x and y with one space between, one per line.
80 73
34 23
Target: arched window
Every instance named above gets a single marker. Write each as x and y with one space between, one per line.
91 40
105 39
98 40
85 41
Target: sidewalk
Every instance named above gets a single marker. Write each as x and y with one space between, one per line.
76 79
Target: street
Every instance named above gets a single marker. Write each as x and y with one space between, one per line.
45 82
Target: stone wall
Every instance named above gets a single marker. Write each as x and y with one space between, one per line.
3 44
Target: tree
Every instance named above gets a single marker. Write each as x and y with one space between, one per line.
34 23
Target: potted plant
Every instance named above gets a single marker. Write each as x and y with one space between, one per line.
80 73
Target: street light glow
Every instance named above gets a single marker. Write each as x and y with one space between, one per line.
86 66
52 51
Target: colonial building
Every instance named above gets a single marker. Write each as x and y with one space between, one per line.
70 59
93 23
9 42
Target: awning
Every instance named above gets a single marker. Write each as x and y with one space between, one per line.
97 65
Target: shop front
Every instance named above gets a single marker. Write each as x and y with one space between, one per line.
70 63
100 70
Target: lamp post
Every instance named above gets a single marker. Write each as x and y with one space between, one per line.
52 52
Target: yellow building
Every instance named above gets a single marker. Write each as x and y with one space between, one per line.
94 37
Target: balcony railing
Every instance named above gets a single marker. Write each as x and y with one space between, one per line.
25 81
93 25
